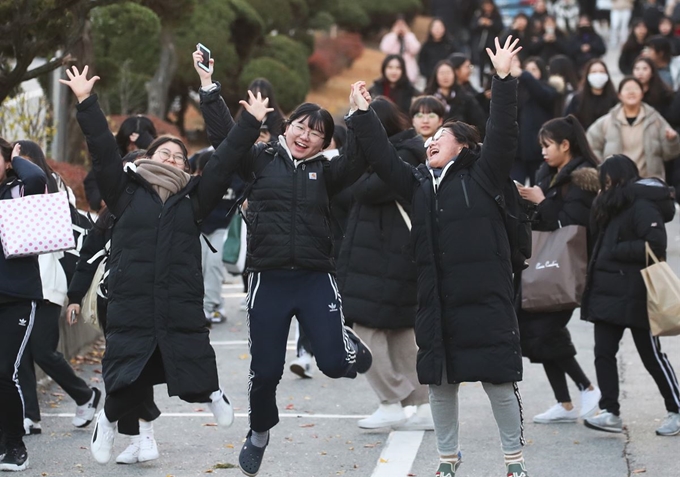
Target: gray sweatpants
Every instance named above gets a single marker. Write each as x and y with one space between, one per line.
506 404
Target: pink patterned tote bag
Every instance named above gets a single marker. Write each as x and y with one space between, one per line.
35 224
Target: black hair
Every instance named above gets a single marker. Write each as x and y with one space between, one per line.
340 135
134 124
628 79
6 149
465 134
265 88
631 42
318 119
658 92
429 29
562 65
34 153
540 63
432 85
458 59
403 80
661 45
494 12
202 160
427 104
159 141
392 119
616 172
589 108
132 156
568 129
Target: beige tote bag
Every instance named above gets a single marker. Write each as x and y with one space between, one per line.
663 296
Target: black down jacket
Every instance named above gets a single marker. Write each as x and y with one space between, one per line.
376 271
536 106
465 317
289 221
155 281
615 292
569 195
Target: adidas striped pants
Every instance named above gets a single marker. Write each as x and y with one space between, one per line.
274 297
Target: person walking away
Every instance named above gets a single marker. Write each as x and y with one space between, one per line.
629 213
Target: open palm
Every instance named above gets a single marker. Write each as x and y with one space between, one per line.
78 82
256 105
502 58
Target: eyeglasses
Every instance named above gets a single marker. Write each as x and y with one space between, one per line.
299 129
436 136
166 155
426 115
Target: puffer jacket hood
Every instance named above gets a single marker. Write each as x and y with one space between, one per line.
659 192
411 141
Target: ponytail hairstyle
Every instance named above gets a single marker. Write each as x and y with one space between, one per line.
34 153
392 119
465 134
616 173
568 128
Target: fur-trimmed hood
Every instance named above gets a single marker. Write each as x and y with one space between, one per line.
586 178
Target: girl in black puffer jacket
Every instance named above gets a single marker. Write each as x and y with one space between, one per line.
567 185
628 213
377 279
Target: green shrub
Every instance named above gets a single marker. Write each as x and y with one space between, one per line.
289 52
289 88
349 14
322 21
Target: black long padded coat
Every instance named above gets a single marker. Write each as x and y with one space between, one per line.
569 195
465 319
376 271
155 282
615 292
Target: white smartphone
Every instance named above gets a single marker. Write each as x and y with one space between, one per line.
518 184
205 63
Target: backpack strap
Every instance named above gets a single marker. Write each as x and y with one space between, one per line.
249 187
496 195
126 198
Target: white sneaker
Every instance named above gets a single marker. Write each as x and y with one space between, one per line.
303 366
421 420
148 449
386 415
221 408
85 413
131 454
670 425
31 427
556 414
102 439
590 401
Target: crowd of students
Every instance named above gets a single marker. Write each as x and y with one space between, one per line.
387 225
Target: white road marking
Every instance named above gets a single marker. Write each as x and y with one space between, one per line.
399 453
209 415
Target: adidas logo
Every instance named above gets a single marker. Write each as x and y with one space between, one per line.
22 322
332 307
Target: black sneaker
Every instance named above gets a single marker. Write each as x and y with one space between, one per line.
364 358
250 458
15 460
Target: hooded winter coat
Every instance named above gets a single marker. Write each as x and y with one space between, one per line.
465 319
155 285
615 292
376 271
569 195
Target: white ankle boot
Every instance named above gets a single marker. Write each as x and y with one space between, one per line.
148 450
385 416
131 454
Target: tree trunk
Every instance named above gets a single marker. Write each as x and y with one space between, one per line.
159 85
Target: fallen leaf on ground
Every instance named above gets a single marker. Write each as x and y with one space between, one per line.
639 471
307 425
383 461
225 466
290 406
243 356
210 424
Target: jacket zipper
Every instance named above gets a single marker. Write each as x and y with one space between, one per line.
294 209
465 192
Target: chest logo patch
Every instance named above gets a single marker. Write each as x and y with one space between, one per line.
312 176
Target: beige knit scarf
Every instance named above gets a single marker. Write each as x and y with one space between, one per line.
166 180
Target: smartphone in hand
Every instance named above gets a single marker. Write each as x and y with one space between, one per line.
519 184
205 52
72 319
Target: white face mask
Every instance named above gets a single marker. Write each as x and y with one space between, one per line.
598 80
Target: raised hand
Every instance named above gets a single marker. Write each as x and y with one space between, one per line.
16 151
256 105
78 82
206 76
502 58
359 97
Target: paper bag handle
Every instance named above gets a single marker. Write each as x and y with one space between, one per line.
650 253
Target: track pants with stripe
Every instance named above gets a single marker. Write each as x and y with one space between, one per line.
274 297
607 340
16 323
